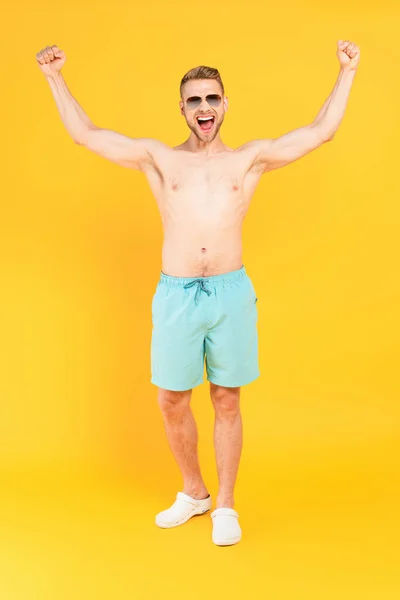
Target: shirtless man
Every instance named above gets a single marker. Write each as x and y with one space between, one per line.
205 304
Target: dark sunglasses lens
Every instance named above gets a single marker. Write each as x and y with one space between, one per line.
214 100
193 102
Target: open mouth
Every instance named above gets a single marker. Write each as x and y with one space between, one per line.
206 123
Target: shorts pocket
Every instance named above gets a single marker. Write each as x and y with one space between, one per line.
253 295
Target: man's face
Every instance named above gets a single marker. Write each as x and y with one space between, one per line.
195 112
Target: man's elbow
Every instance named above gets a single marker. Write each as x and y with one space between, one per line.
80 140
323 134
327 136
82 137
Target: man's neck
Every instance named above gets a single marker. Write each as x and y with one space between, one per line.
193 144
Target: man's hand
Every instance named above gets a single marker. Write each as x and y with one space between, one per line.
51 60
348 54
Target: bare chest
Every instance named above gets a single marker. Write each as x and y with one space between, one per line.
207 180
204 189
216 186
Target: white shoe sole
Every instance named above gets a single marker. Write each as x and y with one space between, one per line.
229 542
182 521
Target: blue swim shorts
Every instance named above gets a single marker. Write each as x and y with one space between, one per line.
204 318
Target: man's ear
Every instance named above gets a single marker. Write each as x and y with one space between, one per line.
181 107
226 103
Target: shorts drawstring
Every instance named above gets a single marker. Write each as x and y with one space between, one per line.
200 287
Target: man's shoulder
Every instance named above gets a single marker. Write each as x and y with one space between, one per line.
249 147
179 147
248 152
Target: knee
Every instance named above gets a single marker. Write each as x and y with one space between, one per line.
172 403
225 400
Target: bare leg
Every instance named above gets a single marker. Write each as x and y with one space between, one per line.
228 440
182 435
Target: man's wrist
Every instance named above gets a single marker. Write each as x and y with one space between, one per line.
53 76
347 72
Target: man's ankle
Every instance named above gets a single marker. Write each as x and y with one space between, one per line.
225 502
196 493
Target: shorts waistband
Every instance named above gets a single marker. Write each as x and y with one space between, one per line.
211 280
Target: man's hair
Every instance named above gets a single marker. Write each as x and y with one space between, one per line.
202 72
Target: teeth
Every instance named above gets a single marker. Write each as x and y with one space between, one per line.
204 118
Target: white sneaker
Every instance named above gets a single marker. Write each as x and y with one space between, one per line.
226 528
182 510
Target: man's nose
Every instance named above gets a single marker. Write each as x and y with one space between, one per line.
204 106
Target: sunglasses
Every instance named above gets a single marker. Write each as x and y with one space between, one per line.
213 100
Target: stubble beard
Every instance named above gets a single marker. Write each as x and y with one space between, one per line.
204 137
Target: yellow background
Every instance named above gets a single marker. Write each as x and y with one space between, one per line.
84 461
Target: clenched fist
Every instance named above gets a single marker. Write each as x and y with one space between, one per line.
50 60
348 54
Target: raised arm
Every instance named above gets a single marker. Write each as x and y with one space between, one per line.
274 153
134 153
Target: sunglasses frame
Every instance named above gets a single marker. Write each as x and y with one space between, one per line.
198 100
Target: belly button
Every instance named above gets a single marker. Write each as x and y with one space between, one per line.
204 249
